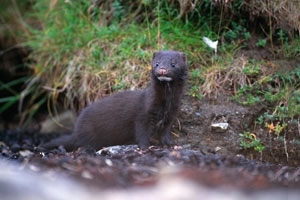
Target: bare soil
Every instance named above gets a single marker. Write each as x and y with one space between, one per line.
196 131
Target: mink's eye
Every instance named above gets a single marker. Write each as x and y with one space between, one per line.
156 64
172 64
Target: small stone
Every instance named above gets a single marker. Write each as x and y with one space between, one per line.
34 168
15 147
109 162
26 153
87 175
220 127
217 149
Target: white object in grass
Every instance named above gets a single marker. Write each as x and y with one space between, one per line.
211 44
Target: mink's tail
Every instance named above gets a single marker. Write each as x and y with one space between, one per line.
67 141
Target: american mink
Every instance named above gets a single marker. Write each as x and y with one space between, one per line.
133 115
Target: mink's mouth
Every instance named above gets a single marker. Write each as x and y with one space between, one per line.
164 78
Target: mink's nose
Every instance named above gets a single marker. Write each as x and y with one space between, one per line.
162 71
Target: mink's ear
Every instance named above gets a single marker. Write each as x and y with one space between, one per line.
184 58
155 54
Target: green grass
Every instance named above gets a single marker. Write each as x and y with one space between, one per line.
279 90
76 56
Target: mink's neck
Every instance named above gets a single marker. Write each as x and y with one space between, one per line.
168 92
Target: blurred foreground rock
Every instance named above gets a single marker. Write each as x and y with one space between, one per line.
17 182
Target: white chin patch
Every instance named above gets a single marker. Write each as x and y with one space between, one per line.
164 78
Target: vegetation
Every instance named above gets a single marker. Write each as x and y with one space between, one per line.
250 141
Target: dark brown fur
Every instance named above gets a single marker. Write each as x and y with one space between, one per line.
133 115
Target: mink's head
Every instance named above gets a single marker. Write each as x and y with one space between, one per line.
169 66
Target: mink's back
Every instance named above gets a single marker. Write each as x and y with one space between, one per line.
106 122
109 121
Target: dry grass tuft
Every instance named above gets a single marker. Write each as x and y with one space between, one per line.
282 14
226 78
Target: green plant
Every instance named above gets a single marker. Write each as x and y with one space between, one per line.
260 120
249 140
277 129
194 91
261 43
291 49
248 95
282 36
252 70
237 33
14 96
118 85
